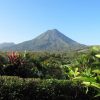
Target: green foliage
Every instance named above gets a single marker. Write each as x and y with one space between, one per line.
98 55
67 76
14 88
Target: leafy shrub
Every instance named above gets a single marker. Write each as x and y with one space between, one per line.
14 88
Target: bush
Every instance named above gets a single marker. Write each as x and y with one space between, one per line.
14 88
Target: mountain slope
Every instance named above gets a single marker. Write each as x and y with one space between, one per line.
51 40
6 45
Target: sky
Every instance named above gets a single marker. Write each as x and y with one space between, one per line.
22 20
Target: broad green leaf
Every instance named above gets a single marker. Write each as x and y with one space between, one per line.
96 85
86 83
98 95
97 71
76 72
98 55
86 79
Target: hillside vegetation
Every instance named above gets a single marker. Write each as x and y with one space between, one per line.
50 76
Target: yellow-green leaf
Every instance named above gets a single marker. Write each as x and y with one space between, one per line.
98 55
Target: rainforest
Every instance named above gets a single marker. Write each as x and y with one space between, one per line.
50 75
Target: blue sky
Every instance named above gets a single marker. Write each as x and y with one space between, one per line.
22 20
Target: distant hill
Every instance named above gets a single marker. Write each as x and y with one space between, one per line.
51 40
6 45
